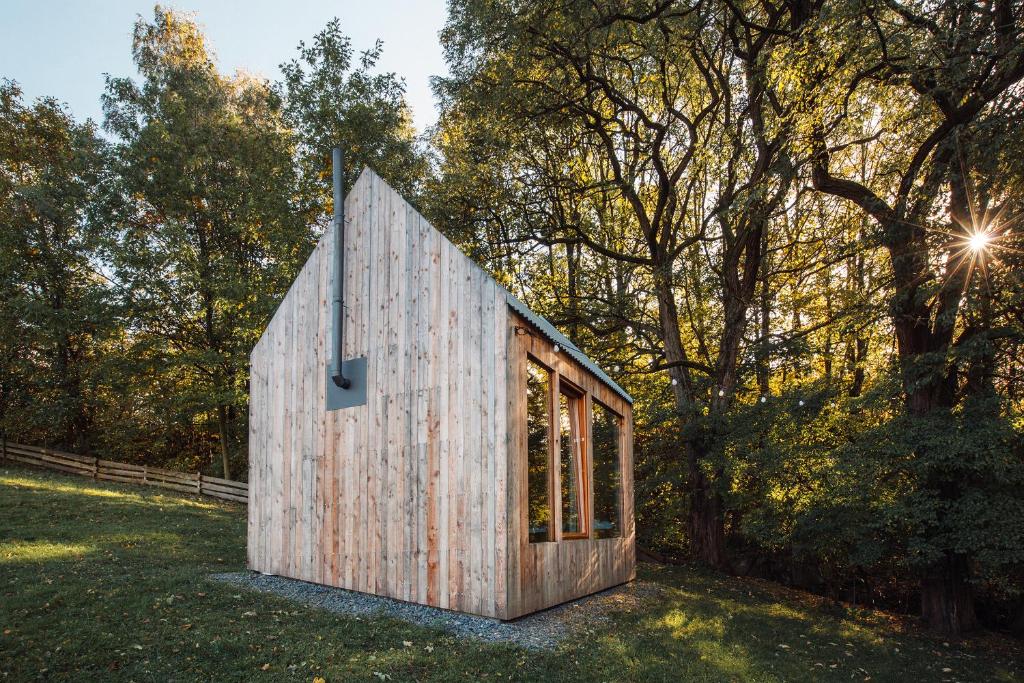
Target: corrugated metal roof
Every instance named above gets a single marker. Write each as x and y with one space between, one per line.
556 337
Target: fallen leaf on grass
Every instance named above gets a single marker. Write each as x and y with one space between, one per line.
265 667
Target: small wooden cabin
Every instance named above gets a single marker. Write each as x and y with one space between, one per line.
486 468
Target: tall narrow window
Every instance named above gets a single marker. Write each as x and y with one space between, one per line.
607 473
572 471
538 440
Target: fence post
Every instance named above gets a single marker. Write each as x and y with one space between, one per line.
3 447
199 483
95 468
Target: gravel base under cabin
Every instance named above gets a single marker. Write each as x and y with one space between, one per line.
541 630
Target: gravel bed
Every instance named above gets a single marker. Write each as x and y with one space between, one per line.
538 631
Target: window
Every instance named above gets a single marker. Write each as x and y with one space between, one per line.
538 446
607 473
572 461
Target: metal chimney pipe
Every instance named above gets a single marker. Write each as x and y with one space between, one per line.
339 270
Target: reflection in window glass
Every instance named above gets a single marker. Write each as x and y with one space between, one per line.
538 393
607 473
570 408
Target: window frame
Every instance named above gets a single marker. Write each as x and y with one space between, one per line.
554 511
620 454
578 400
566 376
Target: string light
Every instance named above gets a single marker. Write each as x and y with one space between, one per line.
556 348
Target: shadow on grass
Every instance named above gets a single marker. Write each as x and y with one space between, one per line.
711 627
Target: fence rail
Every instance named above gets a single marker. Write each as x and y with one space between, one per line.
108 470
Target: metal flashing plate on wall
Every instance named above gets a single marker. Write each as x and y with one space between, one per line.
354 369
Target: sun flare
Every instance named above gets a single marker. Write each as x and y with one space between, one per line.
979 240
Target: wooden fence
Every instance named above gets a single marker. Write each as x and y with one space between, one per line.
108 470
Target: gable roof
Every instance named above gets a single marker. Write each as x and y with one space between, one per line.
553 335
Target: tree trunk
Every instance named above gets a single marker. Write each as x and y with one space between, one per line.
707 518
573 292
706 522
763 361
924 325
222 426
947 601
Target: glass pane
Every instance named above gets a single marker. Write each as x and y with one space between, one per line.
607 473
538 477
571 459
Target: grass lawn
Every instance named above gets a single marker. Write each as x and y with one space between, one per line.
106 582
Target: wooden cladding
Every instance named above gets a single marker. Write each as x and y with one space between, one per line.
421 494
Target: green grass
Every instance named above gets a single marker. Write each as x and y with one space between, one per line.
105 582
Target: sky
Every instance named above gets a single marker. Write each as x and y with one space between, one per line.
62 48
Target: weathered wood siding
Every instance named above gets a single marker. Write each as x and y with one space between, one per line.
544 574
409 496
395 497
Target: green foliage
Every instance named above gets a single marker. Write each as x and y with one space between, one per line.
207 234
333 98
845 485
736 207
57 317
754 217
138 273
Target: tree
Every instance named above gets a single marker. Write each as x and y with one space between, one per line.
208 236
329 101
646 140
57 309
936 77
